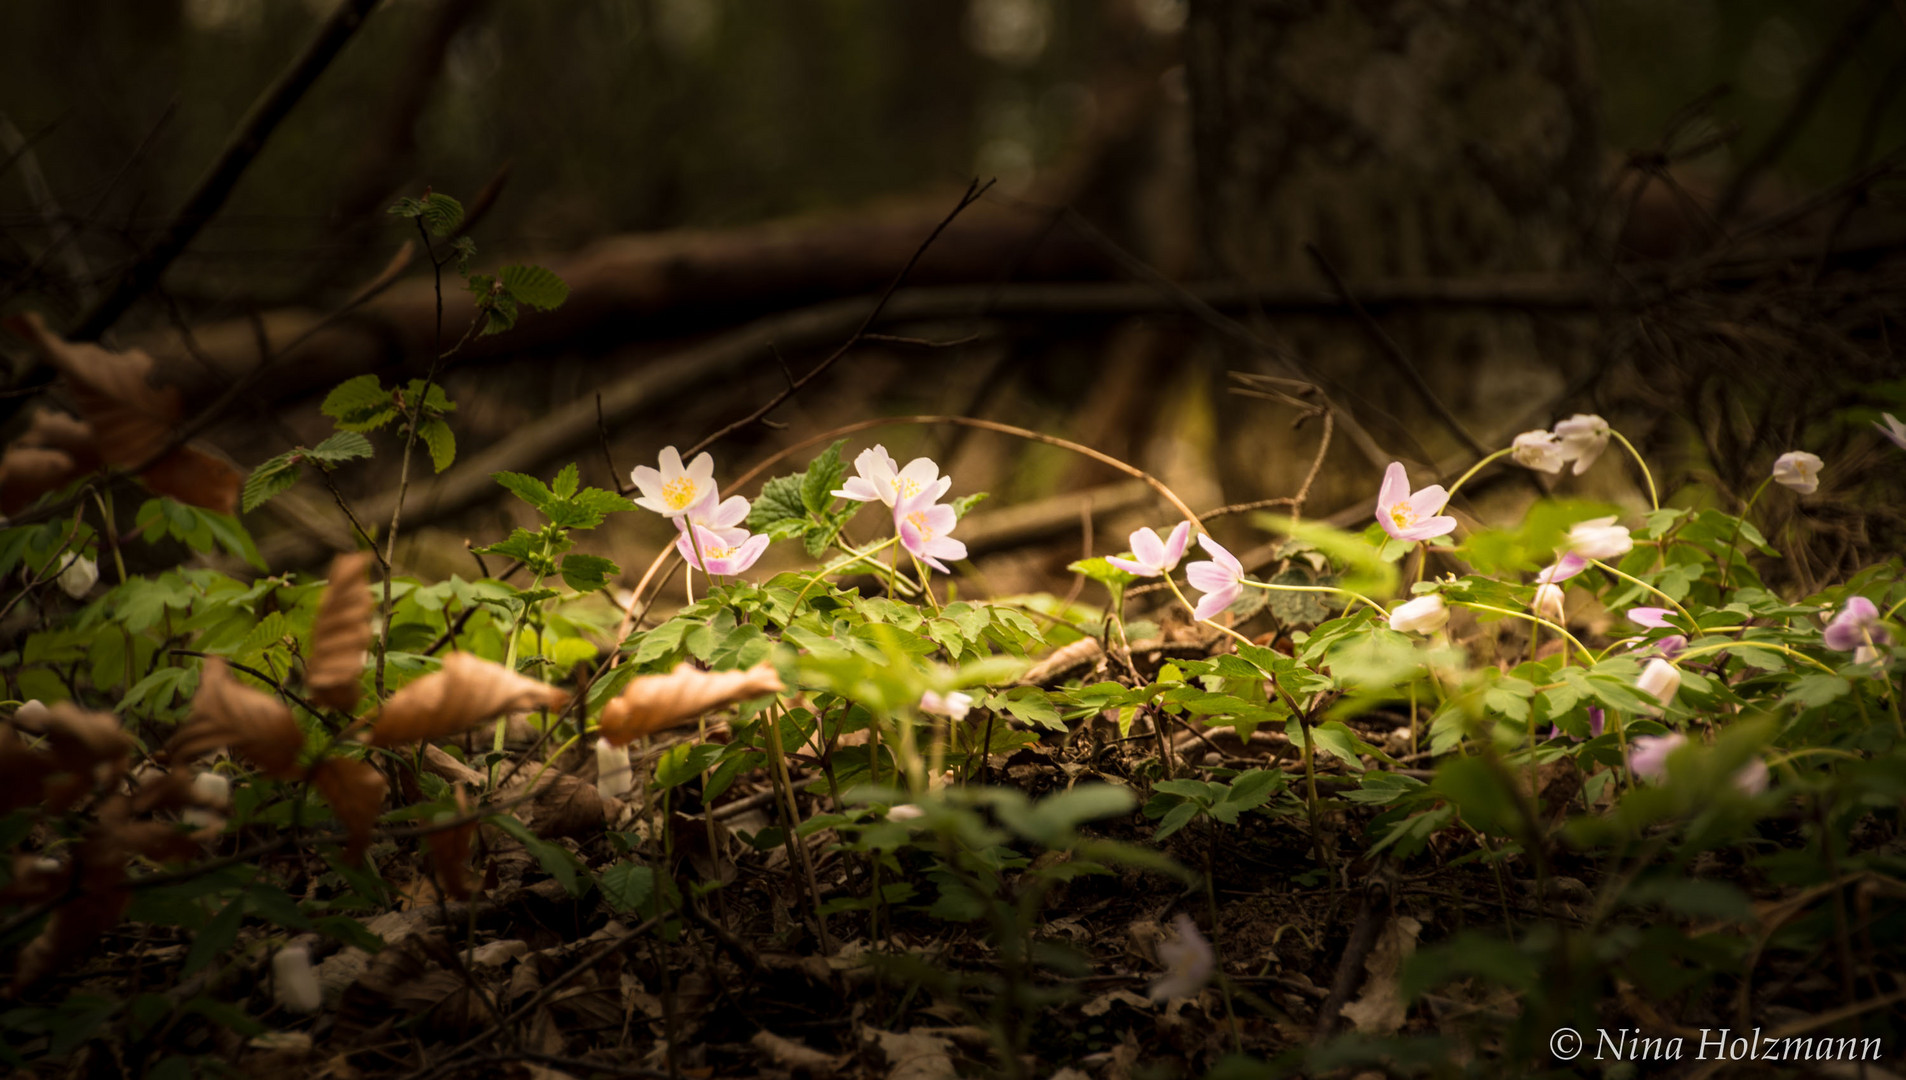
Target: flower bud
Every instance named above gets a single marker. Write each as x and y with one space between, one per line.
1661 681
1423 615
1539 450
1548 603
294 982
1798 470
613 776
1600 538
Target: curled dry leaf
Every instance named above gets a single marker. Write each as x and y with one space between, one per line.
450 853
342 634
131 420
252 723
28 472
355 790
562 805
468 691
89 751
653 703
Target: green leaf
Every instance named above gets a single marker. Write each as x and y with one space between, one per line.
359 404
629 887
565 483
339 447
527 488
1099 570
466 250
587 573
215 937
967 502
587 509
274 477
556 861
442 214
442 443
823 476
1178 818
535 285
684 762
780 499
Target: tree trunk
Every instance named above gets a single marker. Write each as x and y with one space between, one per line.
1400 138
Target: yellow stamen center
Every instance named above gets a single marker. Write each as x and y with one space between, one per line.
907 487
1403 514
678 493
918 520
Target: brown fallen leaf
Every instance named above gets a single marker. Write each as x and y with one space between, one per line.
562 805
795 1056
252 723
468 691
1381 1010
355 790
450 853
131 420
341 636
28 472
89 752
652 703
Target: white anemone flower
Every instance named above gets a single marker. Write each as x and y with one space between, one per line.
1539 450
1584 436
673 490
1798 470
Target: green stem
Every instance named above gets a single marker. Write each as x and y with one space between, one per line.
1733 544
1473 470
1653 496
1354 596
1637 581
1689 654
1530 618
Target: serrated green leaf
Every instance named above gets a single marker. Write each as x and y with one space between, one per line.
527 488
683 762
780 499
587 509
1102 571
565 483
441 213
587 573
269 479
536 286
359 404
823 476
339 447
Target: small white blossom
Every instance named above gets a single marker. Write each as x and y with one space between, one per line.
1188 961
1539 450
1798 470
1423 615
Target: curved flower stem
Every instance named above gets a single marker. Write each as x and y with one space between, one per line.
853 557
1688 654
1530 618
1473 470
1733 543
1795 755
1637 581
1894 610
1354 596
1653 496
1193 608
926 582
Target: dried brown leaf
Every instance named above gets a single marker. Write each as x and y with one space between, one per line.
28 472
89 752
131 419
197 478
796 1056
654 703
468 691
564 806
58 431
74 926
355 790
450 853
341 636
252 723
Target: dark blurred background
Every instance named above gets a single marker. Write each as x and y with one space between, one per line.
1682 215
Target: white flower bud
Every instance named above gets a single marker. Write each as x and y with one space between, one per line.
1548 603
1798 470
79 577
1600 538
294 982
1661 681
1539 450
1424 615
613 775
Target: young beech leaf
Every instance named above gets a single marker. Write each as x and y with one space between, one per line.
359 404
341 635
251 723
651 703
441 441
355 790
468 691
273 478
340 446
534 285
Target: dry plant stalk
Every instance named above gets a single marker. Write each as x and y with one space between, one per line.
466 692
251 723
652 703
341 635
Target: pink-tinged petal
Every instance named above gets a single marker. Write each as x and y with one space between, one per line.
686 549
1850 628
1224 558
1562 569
1752 778
1137 569
671 460
1148 549
702 469
732 512
1211 577
647 480
1175 545
1650 616
939 487
1213 603
946 547
858 489
1648 754
745 555
1396 487
1428 529
1429 501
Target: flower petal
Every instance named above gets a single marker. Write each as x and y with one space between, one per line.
1175 545
1396 486
1148 549
1137 569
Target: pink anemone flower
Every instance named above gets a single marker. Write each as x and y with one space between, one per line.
1151 556
1221 579
923 526
1408 515
722 553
